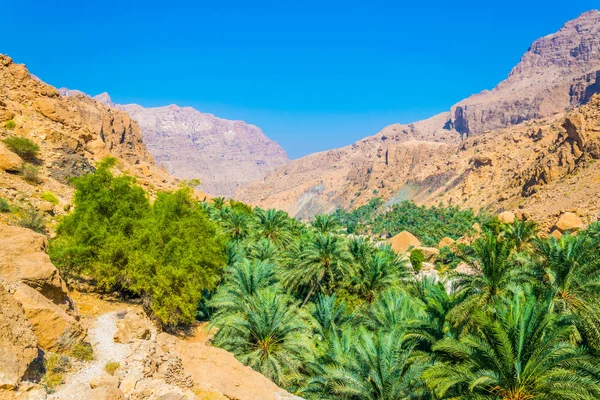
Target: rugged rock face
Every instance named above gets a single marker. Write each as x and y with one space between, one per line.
189 144
559 71
18 343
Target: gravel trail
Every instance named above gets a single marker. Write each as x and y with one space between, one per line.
100 336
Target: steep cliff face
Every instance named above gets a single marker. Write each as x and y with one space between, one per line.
557 72
560 71
189 144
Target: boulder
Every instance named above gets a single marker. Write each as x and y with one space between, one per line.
464 268
446 242
569 222
18 344
9 161
507 217
430 253
23 258
104 380
403 241
105 393
556 234
55 329
133 326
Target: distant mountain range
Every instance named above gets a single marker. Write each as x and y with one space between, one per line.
559 72
189 144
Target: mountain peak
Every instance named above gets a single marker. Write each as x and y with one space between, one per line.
104 98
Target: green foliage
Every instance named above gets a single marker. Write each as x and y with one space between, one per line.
83 351
30 218
428 224
31 174
10 124
167 252
4 206
416 259
111 367
25 148
55 366
50 197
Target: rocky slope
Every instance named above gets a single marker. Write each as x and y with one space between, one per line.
559 71
223 154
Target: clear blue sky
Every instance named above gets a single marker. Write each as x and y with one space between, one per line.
312 74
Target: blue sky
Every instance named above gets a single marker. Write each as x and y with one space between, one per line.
312 74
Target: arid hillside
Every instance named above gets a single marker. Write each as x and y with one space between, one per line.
559 72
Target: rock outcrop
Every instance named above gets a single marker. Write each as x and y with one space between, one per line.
403 241
18 343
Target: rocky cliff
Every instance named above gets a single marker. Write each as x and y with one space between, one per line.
557 73
189 144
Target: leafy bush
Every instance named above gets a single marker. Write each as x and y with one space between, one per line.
111 367
167 252
24 147
83 351
50 197
31 174
33 219
10 124
56 366
416 259
4 206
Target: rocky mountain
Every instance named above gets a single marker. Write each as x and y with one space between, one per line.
223 154
558 72
189 144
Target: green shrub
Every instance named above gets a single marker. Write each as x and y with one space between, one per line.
167 252
4 206
31 174
83 351
111 367
56 366
10 124
24 147
416 259
50 197
33 219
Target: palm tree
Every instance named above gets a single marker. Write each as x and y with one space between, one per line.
269 334
391 310
330 315
326 223
321 262
274 225
570 268
379 271
520 233
360 248
377 367
521 350
236 223
263 250
495 273
436 304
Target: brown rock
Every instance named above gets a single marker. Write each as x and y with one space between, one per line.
569 222
446 242
55 329
464 268
104 380
105 393
23 258
18 344
556 234
133 326
506 217
476 227
9 161
430 253
403 241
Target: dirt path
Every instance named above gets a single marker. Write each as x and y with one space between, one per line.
100 336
